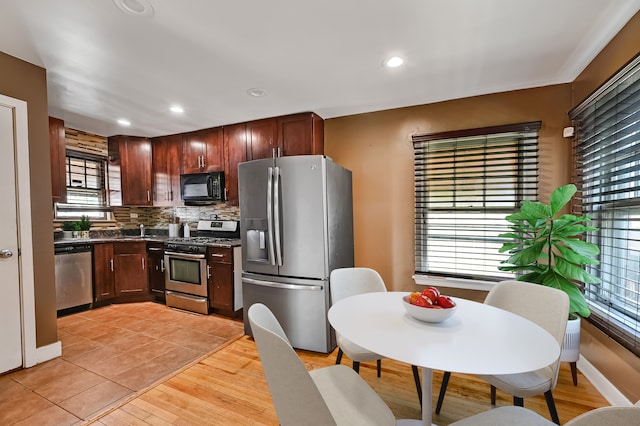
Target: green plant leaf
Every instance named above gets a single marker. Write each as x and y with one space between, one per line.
573 272
560 197
527 255
535 211
574 257
577 302
583 248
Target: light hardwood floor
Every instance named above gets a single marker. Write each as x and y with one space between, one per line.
229 388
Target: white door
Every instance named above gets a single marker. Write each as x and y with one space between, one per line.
10 324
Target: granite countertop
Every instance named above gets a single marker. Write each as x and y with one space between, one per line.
134 238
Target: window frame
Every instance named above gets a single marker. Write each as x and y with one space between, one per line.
606 154
525 188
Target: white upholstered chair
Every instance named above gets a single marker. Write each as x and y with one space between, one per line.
345 282
509 416
334 395
545 306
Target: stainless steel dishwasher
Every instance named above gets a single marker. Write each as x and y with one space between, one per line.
74 275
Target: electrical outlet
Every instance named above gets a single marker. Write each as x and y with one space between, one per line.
133 215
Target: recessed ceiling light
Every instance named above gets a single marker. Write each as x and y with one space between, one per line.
177 109
257 93
124 122
135 7
394 62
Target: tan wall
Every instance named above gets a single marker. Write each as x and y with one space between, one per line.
21 80
616 363
377 148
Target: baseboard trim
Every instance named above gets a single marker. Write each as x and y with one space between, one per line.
602 384
48 352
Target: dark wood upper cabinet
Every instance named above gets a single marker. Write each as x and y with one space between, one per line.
235 152
203 151
301 134
58 160
131 156
166 162
262 138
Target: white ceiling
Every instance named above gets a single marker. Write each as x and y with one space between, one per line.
323 56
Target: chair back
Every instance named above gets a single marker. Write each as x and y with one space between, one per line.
345 282
546 306
296 397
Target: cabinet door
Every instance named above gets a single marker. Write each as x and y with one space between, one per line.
156 269
214 150
166 170
220 262
301 134
135 163
58 160
235 147
262 136
221 286
131 274
193 151
203 151
103 269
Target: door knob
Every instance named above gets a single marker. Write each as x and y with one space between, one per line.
5 254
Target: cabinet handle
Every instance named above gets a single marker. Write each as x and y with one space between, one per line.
161 265
273 152
171 196
225 194
217 255
203 163
143 263
111 264
148 195
279 153
208 271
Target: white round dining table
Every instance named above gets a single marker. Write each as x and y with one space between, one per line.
476 339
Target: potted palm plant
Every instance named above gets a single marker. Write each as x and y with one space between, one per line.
547 247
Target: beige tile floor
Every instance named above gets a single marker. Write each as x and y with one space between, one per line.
109 354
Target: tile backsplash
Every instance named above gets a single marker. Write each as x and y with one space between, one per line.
161 217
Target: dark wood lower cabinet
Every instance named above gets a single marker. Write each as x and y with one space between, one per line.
221 291
120 272
155 252
103 270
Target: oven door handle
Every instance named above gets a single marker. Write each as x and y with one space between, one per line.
184 255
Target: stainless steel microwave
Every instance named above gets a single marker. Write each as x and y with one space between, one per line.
202 188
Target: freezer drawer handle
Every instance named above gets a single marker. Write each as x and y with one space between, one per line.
282 285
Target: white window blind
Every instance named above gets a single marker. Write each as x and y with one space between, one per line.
466 183
607 158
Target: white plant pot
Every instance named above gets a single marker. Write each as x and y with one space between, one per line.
67 234
571 345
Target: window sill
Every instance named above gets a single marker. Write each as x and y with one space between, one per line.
453 282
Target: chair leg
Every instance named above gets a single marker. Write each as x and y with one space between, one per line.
552 407
379 362
339 357
356 367
493 395
443 389
416 378
574 373
517 401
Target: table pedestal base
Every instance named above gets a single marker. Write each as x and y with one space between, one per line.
427 380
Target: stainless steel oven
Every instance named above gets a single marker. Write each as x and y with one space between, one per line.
186 281
187 272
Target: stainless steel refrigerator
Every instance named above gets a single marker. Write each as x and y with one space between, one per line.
296 225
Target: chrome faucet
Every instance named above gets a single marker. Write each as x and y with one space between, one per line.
141 230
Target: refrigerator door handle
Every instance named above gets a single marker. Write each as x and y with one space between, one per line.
276 209
282 285
272 257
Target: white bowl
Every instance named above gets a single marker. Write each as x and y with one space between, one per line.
427 314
